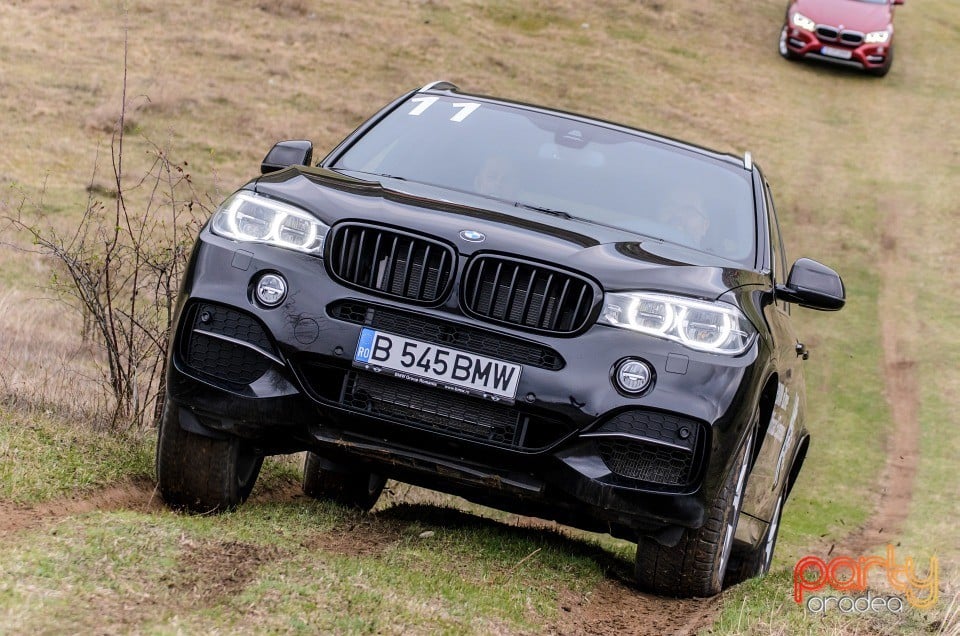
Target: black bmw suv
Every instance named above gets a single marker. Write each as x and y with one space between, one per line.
541 312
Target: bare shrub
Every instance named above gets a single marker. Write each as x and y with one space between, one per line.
121 268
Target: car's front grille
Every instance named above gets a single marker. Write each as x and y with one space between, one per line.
390 262
853 38
527 295
451 334
827 33
653 447
442 411
225 344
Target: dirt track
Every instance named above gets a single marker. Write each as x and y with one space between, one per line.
615 608
902 450
612 608
138 496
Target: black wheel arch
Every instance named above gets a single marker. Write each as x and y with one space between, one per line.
798 458
765 404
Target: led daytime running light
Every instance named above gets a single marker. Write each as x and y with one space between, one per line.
714 327
251 218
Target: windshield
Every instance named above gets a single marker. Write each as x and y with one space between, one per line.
563 166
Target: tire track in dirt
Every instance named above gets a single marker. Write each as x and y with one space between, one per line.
133 494
614 607
208 570
896 481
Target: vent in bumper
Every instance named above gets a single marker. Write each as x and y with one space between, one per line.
390 262
224 344
647 462
452 334
652 447
527 295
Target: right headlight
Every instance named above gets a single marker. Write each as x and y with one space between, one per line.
803 22
715 327
247 217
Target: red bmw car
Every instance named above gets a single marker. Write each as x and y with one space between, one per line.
857 33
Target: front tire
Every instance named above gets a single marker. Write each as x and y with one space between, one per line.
327 481
756 561
697 564
202 474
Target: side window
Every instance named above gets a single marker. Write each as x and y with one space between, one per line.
778 254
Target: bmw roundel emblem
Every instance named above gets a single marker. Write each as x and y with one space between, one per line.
472 235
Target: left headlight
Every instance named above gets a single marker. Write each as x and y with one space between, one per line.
714 327
247 217
876 37
803 22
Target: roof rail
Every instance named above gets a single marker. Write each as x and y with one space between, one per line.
440 85
748 160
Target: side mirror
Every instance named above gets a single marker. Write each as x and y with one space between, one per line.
296 152
814 285
897 1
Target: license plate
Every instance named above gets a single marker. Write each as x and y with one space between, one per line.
842 54
437 366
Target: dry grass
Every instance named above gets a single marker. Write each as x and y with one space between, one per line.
55 371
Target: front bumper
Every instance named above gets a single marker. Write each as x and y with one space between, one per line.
570 448
870 57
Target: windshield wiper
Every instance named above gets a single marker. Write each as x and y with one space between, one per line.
378 174
537 208
567 215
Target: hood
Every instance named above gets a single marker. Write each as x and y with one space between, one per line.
855 15
617 259
658 266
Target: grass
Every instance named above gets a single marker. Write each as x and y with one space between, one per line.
842 447
469 576
42 459
853 162
766 607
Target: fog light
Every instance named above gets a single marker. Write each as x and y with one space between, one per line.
271 290
633 376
